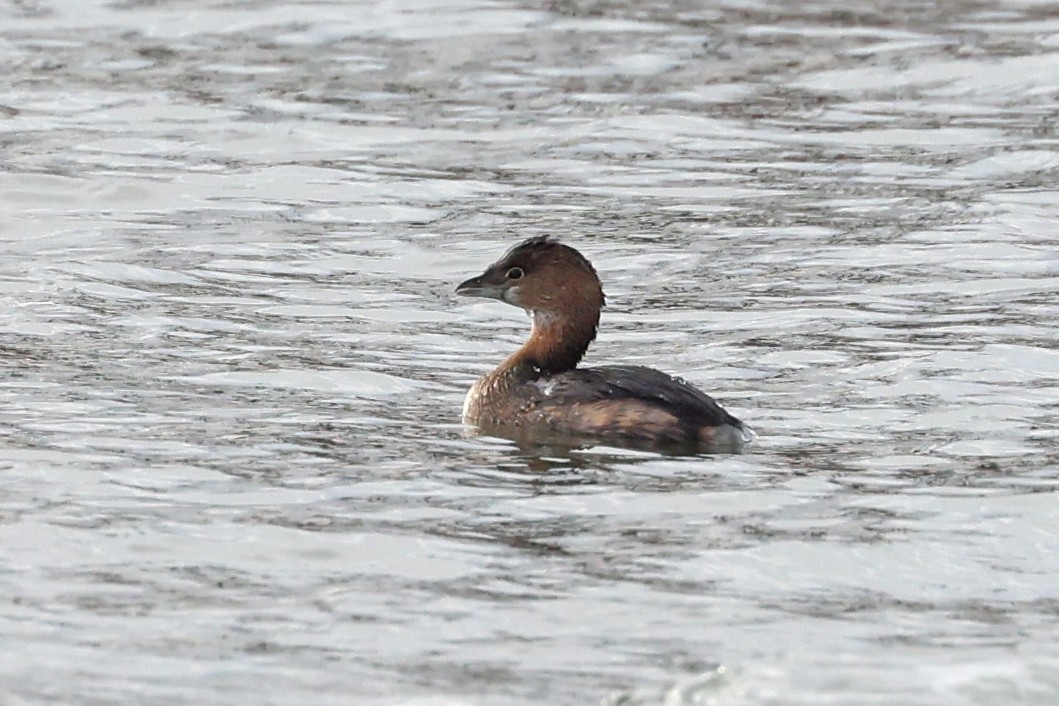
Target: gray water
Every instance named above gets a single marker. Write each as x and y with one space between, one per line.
232 469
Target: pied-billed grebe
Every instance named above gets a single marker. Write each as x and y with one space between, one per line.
539 393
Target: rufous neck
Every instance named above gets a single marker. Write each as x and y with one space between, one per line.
558 342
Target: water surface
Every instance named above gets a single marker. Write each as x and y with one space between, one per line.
231 361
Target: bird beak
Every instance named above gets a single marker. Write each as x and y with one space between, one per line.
475 287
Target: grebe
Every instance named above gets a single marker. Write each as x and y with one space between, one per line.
539 394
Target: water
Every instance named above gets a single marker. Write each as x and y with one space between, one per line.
232 362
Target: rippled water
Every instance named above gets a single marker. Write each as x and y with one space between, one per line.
231 361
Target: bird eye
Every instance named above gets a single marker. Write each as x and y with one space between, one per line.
515 273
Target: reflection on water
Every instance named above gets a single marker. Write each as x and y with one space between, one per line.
231 362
